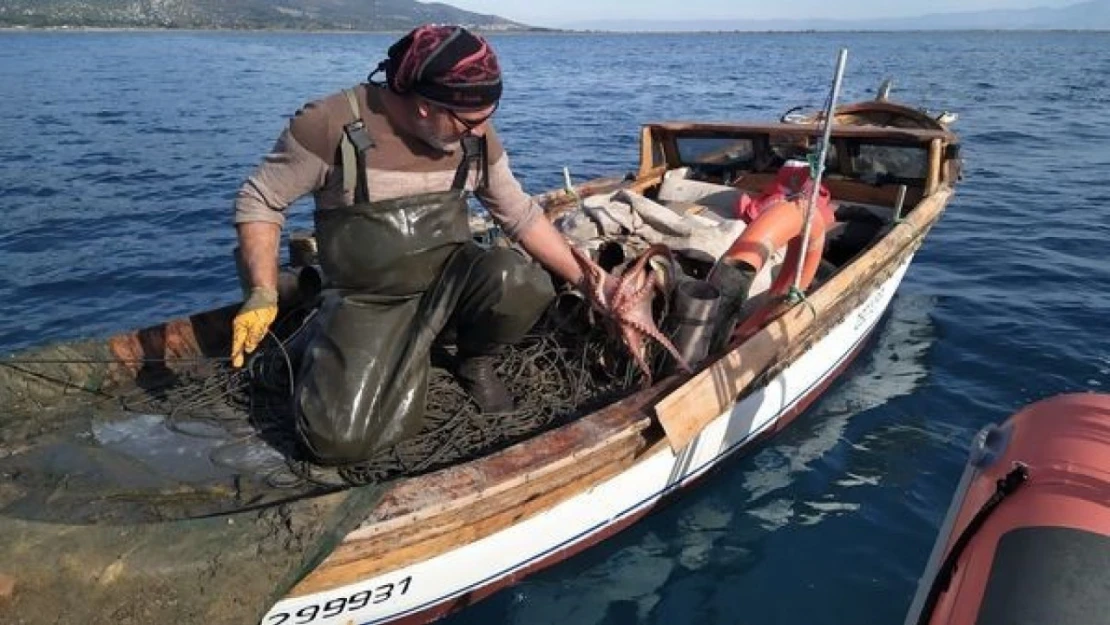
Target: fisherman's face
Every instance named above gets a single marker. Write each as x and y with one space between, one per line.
443 128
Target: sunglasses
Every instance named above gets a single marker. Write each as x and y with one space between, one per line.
470 123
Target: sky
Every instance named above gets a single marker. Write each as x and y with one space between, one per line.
561 12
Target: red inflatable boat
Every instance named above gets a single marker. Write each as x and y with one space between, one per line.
1027 538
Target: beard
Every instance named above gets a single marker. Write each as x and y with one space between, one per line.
427 133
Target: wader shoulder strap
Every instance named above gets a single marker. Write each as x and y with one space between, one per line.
474 154
352 152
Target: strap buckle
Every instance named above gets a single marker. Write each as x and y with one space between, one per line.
356 132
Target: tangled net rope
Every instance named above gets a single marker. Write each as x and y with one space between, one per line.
553 384
555 376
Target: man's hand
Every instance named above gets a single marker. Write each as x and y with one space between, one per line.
252 322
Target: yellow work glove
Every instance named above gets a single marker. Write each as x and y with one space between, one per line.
251 323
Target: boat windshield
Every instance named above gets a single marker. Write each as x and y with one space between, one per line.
731 151
879 162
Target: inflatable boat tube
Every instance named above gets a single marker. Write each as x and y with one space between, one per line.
1027 537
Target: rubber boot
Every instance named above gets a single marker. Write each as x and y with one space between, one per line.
733 279
477 373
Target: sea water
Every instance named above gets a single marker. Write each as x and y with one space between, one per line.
120 155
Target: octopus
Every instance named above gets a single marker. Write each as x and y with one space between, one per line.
628 304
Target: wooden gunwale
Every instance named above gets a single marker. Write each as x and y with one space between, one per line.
356 561
419 510
512 485
506 468
485 504
556 202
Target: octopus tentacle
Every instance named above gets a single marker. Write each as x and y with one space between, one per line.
628 305
593 274
634 342
654 333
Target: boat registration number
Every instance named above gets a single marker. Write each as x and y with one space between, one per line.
335 607
865 314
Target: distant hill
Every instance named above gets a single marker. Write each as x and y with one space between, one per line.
368 15
1092 15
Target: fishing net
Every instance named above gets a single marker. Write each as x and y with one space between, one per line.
184 498
213 440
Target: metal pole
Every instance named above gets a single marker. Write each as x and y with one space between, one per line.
568 186
898 202
841 61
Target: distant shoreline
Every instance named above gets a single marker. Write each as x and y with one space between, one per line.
517 32
299 31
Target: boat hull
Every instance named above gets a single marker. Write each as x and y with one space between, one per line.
458 577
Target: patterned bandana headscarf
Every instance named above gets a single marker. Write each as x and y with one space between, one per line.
448 65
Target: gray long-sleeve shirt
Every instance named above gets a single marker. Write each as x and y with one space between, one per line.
304 160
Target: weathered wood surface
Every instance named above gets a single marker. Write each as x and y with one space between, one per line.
175 344
557 198
686 411
884 113
555 203
424 516
936 156
647 152
362 559
92 370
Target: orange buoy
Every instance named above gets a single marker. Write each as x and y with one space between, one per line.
778 225
1027 537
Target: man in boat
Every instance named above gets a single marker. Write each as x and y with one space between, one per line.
390 164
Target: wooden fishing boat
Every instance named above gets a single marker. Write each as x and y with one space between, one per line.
414 547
